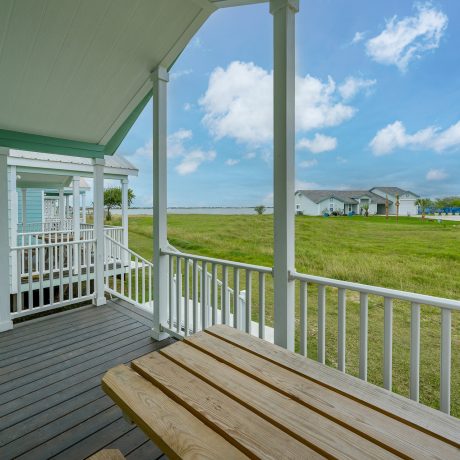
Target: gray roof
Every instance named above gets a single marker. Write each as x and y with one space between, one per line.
345 196
393 190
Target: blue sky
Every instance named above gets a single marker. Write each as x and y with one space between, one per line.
378 103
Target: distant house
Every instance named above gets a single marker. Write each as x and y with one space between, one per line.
316 202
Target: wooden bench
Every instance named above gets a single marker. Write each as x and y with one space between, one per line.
224 394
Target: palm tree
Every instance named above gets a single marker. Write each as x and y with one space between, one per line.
365 208
423 204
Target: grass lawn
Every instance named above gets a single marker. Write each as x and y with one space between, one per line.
410 255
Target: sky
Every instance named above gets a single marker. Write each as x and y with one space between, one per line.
377 104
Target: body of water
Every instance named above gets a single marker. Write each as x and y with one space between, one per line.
221 211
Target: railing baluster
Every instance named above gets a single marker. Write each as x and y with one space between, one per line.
19 258
446 332
178 294
342 315
388 343
89 247
214 294
225 300
204 292
186 297
262 305
70 272
143 282
80 246
363 328
136 282
130 275
30 277
415 351
236 298
303 318
321 324
195 295
61 272
248 302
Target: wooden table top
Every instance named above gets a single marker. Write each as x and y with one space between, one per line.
224 394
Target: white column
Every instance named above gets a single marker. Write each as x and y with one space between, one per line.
24 209
61 210
76 218
124 210
160 232
83 207
67 206
5 317
13 219
283 12
99 298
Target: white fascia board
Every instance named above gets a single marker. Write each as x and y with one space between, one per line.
65 169
230 3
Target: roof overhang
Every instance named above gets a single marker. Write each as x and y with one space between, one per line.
75 75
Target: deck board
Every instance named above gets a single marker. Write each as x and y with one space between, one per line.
52 401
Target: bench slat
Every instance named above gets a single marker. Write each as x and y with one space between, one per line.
436 423
175 430
295 419
252 434
370 424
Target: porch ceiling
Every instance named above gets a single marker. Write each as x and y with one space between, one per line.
75 74
42 181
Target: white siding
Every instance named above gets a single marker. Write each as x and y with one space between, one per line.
306 206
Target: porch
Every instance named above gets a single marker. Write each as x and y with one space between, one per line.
52 404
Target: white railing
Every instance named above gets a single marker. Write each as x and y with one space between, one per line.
198 301
128 275
49 225
387 296
53 275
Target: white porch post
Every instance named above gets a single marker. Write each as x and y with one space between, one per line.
160 232
24 209
67 206
5 317
76 219
83 207
13 219
283 12
99 297
124 210
61 210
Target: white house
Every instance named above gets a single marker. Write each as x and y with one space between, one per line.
316 202
407 199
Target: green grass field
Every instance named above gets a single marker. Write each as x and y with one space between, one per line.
410 255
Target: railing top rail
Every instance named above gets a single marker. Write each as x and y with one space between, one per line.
128 250
228 263
380 291
51 245
41 232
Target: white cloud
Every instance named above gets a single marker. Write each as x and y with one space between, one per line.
249 155
358 37
308 163
176 142
319 144
238 103
404 40
179 74
268 199
436 174
192 160
341 160
302 185
394 136
187 107
232 162
352 86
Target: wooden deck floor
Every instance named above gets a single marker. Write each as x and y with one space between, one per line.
51 401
